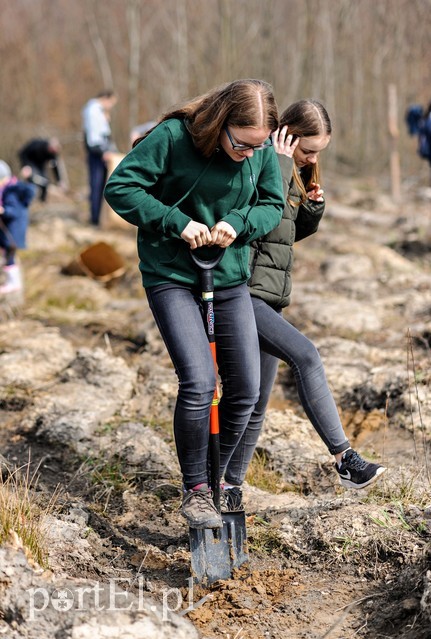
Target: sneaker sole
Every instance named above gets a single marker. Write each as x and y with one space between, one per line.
350 484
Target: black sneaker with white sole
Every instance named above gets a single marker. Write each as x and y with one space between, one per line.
231 500
355 472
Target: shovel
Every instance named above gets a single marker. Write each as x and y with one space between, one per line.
215 552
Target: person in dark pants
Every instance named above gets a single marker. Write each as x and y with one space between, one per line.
96 116
424 135
39 155
205 176
305 131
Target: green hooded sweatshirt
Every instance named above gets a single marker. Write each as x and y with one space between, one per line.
165 182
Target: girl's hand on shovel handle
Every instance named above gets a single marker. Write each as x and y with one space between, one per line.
222 234
196 234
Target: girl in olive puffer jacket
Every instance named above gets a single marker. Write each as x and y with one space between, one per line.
305 131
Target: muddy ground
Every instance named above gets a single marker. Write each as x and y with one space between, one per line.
324 562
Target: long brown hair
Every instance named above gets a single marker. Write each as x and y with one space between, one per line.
306 118
242 103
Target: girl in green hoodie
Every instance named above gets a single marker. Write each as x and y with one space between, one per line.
205 176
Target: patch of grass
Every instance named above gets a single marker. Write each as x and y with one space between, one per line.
70 302
409 488
14 398
107 476
371 455
403 499
107 471
108 428
421 376
162 427
22 513
347 545
10 390
263 537
394 517
261 475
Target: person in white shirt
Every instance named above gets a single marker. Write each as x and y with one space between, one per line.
99 146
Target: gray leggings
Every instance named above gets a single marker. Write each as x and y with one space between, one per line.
177 312
279 340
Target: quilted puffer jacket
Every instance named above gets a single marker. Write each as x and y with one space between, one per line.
271 258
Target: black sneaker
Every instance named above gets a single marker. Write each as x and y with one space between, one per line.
231 500
355 472
199 510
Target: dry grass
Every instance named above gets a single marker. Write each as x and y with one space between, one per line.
266 538
22 513
106 475
261 475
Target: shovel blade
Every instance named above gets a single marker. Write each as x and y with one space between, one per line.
237 535
216 552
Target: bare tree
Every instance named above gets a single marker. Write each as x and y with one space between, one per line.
134 29
182 44
342 52
99 46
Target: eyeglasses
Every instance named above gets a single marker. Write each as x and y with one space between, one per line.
247 147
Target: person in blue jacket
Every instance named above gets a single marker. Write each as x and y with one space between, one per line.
15 198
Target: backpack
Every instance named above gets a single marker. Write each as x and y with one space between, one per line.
424 138
413 116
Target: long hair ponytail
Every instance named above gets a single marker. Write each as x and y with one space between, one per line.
306 118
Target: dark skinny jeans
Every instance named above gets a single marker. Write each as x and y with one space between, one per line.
279 340
177 312
97 173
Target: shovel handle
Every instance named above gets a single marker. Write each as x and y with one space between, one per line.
206 271
206 265
207 286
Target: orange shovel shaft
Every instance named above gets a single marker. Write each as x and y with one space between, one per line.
214 421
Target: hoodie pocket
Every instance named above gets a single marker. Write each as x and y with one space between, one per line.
171 251
243 256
